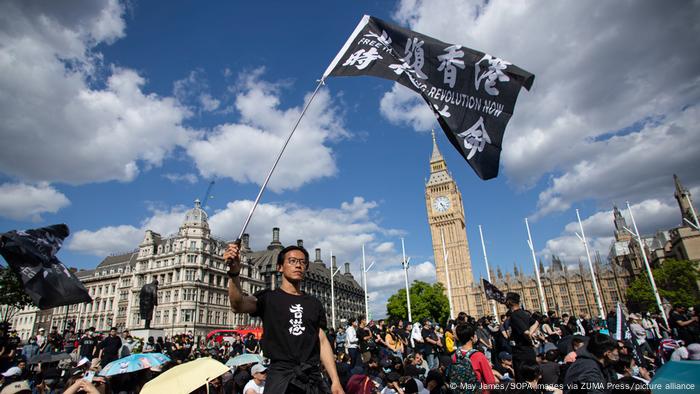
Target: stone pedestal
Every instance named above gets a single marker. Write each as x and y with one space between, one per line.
144 333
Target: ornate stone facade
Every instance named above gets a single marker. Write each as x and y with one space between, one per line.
192 290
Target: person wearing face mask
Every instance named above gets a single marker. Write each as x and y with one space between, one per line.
627 367
87 344
127 346
31 349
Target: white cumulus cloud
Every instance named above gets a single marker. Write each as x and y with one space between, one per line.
21 201
66 116
245 151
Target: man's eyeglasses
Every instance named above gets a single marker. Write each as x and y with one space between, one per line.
299 262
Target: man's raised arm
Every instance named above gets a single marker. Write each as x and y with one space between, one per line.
240 303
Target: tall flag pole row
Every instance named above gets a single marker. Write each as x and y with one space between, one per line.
596 291
646 264
488 270
445 258
543 300
471 93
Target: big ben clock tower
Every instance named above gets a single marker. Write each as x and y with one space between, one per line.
446 219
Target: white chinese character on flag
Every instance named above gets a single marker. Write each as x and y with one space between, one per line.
475 138
449 63
363 58
494 72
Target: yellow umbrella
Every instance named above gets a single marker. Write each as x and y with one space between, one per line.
186 378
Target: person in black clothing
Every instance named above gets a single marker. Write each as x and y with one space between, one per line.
522 326
681 324
109 347
55 340
293 325
87 345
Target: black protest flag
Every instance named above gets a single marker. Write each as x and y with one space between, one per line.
471 93
32 255
492 292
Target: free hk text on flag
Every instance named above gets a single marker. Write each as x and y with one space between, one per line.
471 93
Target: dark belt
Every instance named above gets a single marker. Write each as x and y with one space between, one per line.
291 377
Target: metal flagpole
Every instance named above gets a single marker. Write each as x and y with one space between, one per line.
447 275
543 300
488 271
333 290
646 264
596 291
364 280
695 225
279 156
404 263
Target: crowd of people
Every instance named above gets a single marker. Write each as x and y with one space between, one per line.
86 353
517 352
520 352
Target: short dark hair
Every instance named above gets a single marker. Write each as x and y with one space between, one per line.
552 355
625 362
351 321
600 343
283 252
465 332
529 372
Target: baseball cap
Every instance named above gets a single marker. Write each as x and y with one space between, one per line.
504 356
12 372
257 368
16 387
83 361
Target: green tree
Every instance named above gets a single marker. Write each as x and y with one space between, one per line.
427 301
12 294
676 281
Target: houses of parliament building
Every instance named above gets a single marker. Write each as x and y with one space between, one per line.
567 288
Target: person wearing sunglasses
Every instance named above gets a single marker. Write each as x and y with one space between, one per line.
293 325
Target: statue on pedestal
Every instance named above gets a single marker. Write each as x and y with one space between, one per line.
148 299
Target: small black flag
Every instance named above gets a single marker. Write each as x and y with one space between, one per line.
492 292
32 255
471 93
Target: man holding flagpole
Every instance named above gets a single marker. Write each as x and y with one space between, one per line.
293 324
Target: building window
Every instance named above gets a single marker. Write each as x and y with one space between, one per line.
186 315
167 296
191 258
189 275
188 294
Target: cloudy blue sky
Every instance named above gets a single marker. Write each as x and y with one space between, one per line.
115 116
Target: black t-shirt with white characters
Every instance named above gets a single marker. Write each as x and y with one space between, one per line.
87 346
290 326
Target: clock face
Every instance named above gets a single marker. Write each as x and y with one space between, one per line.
441 204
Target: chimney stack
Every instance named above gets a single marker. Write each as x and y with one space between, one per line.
347 268
245 242
300 243
318 256
333 266
275 244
